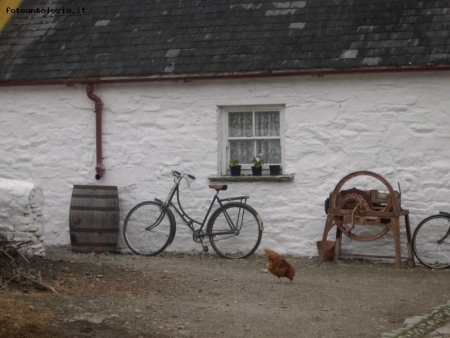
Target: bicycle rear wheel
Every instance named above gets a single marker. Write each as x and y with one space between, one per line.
241 242
431 242
147 231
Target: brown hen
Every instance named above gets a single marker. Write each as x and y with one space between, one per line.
278 266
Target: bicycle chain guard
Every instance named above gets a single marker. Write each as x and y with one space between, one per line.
198 236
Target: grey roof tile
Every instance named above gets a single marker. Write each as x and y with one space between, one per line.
152 37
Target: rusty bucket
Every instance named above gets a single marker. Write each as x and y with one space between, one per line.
329 250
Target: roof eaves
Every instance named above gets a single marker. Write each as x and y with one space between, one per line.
224 76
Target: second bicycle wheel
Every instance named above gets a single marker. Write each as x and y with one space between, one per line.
147 231
431 242
238 243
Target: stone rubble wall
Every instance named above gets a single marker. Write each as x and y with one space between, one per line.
393 124
22 214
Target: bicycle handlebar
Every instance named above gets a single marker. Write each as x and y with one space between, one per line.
178 174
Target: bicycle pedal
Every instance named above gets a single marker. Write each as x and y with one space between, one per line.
205 248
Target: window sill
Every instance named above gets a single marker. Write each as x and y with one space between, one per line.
250 178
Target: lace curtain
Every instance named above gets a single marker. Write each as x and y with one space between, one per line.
247 125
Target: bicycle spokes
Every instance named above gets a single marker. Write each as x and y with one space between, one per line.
431 242
146 239
234 231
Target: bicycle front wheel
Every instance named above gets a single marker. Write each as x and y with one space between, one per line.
147 231
431 242
235 230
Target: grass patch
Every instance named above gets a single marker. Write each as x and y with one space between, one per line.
19 320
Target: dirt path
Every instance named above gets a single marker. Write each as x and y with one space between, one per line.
205 296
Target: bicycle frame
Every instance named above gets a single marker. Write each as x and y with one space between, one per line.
233 228
189 221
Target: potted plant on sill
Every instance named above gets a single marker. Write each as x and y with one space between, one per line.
258 162
275 169
235 167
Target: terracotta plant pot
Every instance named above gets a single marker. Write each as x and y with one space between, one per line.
329 250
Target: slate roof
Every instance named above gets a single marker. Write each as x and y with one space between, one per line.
140 38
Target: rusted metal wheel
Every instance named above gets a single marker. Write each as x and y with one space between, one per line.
359 210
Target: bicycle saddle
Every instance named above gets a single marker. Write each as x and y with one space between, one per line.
218 186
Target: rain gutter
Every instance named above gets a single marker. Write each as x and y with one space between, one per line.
225 76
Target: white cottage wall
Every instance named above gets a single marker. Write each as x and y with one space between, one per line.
21 211
392 124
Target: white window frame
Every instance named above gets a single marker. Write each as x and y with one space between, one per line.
224 146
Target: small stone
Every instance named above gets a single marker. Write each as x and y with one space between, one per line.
95 320
444 330
413 320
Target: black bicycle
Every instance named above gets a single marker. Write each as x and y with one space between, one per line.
234 228
431 241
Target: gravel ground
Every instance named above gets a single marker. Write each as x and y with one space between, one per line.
179 295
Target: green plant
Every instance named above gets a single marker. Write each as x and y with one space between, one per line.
234 162
258 161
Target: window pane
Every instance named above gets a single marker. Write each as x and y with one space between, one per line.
271 149
267 123
241 149
240 124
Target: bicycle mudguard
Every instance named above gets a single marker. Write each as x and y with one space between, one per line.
444 213
260 222
172 217
258 218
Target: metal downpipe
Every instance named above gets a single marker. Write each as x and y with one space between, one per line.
99 168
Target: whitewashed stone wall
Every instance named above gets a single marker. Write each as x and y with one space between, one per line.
21 214
393 124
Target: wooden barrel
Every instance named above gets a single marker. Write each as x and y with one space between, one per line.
94 218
